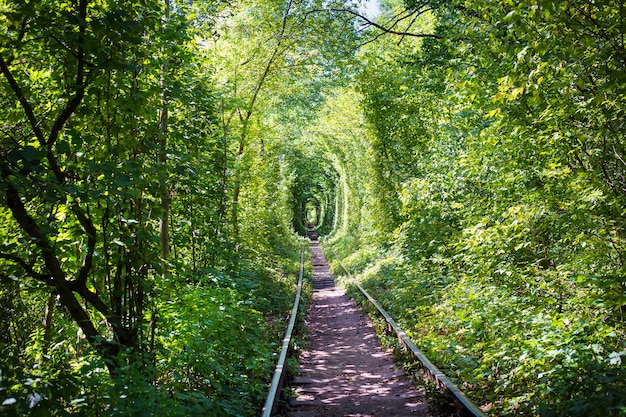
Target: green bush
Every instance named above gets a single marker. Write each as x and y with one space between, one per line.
509 352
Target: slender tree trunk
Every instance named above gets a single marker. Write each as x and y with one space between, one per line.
47 322
246 115
166 199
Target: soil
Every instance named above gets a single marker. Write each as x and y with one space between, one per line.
344 371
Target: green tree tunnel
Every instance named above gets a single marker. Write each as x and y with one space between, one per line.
160 161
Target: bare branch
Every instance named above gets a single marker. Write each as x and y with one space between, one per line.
386 29
410 25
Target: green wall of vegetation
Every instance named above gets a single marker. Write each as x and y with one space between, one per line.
159 159
489 219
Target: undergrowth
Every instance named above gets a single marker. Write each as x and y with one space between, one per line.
513 354
214 354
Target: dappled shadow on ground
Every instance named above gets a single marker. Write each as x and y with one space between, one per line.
344 371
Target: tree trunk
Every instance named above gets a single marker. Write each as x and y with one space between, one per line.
166 199
47 322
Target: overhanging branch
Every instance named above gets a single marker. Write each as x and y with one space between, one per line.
384 29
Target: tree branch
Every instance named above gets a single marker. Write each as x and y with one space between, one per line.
75 101
385 29
90 229
57 275
21 97
45 278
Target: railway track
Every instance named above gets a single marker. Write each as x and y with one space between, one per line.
355 390
279 373
462 405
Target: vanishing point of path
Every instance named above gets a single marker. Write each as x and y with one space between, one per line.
344 371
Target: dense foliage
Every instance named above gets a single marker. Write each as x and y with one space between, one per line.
497 155
157 156
147 258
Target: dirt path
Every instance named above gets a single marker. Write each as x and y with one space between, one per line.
344 371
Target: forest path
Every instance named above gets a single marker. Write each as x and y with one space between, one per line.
344 371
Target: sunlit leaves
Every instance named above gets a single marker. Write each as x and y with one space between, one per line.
500 150
214 346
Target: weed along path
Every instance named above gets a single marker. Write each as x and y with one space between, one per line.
344 371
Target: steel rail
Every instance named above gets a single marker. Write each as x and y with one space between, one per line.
466 406
270 402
